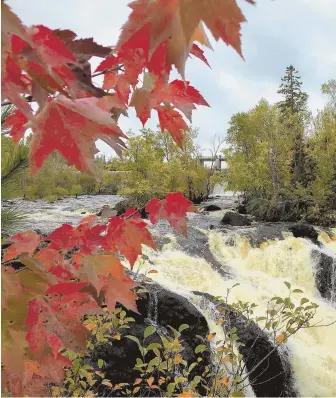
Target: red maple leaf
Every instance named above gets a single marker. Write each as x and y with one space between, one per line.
199 53
59 316
13 84
118 290
10 25
16 122
84 237
173 122
94 269
157 65
128 235
25 242
72 127
181 94
173 209
181 24
35 379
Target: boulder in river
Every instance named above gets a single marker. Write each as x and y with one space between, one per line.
160 308
106 212
235 219
304 230
325 274
211 207
270 373
241 209
125 204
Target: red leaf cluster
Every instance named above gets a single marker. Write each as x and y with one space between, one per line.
43 305
52 68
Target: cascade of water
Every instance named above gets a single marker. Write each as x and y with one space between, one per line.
260 273
153 307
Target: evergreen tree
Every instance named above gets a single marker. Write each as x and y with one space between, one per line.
14 164
295 99
294 113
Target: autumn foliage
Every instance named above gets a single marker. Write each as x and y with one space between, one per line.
49 284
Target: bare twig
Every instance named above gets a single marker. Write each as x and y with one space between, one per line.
116 68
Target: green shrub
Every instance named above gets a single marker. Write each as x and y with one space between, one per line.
60 192
51 198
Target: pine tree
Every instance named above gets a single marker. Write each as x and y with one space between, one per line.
295 99
14 163
294 111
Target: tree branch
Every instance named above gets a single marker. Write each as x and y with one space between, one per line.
29 98
116 68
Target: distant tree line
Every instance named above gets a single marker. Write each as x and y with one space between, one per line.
284 159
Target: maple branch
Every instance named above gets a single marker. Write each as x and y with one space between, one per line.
29 98
116 68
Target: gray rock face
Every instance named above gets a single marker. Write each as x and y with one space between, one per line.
325 274
304 230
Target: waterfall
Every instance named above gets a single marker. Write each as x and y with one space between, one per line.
220 190
260 273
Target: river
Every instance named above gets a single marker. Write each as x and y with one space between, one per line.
213 260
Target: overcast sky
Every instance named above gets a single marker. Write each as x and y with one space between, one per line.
278 33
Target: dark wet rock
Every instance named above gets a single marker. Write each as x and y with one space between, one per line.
304 230
125 204
235 219
325 274
263 232
273 376
160 308
241 209
211 207
122 206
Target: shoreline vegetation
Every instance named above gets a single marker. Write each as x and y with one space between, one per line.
280 157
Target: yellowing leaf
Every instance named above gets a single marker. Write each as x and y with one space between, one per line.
280 338
225 381
90 326
187 394
150 381
211 336
107 383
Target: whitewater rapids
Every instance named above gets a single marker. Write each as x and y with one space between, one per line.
260 273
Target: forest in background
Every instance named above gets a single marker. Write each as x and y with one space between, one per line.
280 157
283 158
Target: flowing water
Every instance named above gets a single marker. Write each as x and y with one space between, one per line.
260 272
